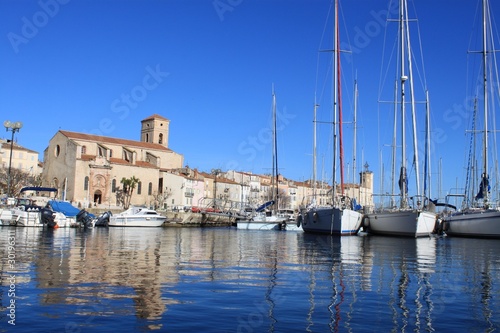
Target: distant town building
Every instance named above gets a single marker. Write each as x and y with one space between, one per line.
87 170
23 158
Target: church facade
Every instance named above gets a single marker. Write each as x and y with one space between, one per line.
87 169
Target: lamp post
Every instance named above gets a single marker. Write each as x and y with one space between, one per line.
215 172
13 127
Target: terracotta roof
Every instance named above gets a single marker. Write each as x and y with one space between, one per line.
115 141
86 157
145 164
15 146
154 116
118 161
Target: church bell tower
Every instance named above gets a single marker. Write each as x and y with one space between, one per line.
155 129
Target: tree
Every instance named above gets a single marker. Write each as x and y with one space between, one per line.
283 197
128 188
18 180
161 198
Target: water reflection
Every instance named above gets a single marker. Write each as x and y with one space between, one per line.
251 281
403 268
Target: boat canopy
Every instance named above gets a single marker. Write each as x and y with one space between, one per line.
64 207
264 206
38 189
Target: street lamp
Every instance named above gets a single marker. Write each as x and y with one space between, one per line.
215 172
13 127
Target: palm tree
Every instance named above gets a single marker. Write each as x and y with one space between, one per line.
128 188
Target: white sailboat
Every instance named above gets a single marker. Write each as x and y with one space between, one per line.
260 219
480 218
415 219
339 218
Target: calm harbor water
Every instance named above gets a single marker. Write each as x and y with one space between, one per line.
228 280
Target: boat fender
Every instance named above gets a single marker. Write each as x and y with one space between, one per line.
315 217
445 226
366 222
298 220
438 227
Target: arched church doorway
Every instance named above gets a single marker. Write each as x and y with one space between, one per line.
97 197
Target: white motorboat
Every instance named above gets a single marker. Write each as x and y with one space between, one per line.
137 217
5 216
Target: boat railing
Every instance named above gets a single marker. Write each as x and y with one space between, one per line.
393 202
448 205
387 202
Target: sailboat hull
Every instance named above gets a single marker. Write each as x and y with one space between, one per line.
407 223
332 221
483 223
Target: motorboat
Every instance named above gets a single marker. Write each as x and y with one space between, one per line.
137 217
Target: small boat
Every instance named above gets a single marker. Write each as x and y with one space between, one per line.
5 216
137 217
261 218
262 221
29 213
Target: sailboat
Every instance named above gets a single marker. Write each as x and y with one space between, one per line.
340 218
260 220
479 218
405 219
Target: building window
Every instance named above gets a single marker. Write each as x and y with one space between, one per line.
160 139
84 149
57 150
113 186
110 153
147 137
150 188
101 151
86 184
139 187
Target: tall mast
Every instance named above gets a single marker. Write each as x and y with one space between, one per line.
394 145
412 103
402 175
275 156
354 128
314 153
485 97
339 97
427 162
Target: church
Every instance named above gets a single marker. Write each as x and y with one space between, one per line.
87 169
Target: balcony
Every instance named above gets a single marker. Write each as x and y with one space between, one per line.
189 194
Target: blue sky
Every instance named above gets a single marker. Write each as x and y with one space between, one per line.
209 66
